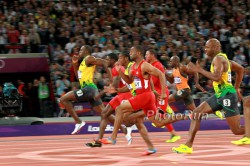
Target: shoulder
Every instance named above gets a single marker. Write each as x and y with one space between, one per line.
183 68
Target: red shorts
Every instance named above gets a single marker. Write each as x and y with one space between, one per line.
144 101
117 100
163 104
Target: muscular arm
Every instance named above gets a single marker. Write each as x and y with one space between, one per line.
218 69
169 77
116 81
239 73
99 62
75 65
146 67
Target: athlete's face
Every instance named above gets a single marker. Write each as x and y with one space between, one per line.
171 62
148 56
208 49
81 53
133 53
108 61
121 59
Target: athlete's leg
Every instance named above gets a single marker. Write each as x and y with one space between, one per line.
108 110
66 100
171 98
144 133
120 110
246 106
234 124
246 139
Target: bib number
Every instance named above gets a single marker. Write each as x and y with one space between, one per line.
177 80
227 102
229 77
138 84
79 73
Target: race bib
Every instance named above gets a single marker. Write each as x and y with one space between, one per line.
161 102
138 84
79 73
229 77
177 80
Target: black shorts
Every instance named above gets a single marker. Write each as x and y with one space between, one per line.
185 95
88 93
228 103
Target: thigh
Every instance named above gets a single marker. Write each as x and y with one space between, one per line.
213 103
229 104
142 101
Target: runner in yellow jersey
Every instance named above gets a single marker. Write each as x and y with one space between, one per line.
84 66
226 95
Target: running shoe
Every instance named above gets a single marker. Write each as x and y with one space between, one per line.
78 127
169 110
128 136
156 126
219 114
94 144
243 141
108 141
173 139
149 152
183 149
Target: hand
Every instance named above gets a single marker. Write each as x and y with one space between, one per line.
193 67
75 59
163 96
198 86
156 94
109 89
240 97
118 66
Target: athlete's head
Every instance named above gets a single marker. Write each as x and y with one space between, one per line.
212 47
150 56
124 58
174 61
84 51
136 52
111 59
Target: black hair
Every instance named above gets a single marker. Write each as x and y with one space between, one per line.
140 49
88 48
113 56
152 51
125 53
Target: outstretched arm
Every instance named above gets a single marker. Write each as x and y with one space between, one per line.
218 69
75 64
99 62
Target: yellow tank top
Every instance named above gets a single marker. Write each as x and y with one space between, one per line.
86 74
180 81
224 85
132 85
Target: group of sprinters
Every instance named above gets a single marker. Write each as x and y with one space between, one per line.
141 91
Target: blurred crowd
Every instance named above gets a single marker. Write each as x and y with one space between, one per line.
171 27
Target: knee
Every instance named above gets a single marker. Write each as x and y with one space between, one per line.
104 114
246 101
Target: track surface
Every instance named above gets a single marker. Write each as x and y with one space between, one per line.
211 147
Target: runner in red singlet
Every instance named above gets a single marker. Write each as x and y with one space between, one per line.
145 98
151 58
